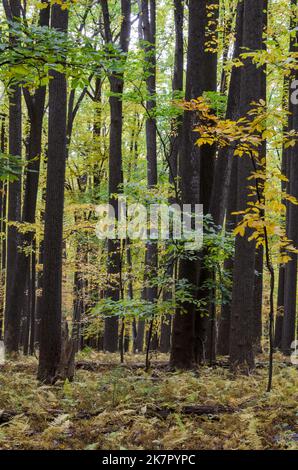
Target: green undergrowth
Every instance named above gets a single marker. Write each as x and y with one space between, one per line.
120 407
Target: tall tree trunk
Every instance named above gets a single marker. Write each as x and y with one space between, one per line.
281 277
258 301
259 261
280 308
2 229
242 313
50 330
35 104
26 310
115 165
182 354
223 167
39 287
148 20
177 86
290 286
32 300
12 317
205 322
223 342
79 291
224 197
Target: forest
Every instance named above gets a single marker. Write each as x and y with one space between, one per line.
148 225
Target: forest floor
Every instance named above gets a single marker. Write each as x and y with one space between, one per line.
122 407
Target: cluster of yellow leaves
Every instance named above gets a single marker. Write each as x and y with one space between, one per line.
246 136
266 215
64 4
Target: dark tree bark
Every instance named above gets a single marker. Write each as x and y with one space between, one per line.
259 261
258 301
3 187
25 320
177 86
281 277
79 287
32 293
12 317
224 162
242 313
149 35
39 288
205 322
50 331
223 342
97 132
115 165
280 308
198 79
148 25
35 105
224 196
290 280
